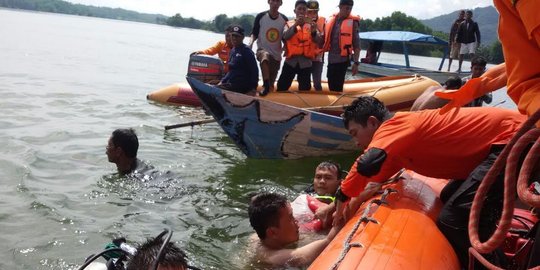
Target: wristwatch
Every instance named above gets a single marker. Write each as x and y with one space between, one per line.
356 62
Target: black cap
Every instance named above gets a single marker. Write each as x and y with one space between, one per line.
300 2
236 29
346 2
312 5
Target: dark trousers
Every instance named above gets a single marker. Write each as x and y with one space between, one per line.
287 75
336 75
454 217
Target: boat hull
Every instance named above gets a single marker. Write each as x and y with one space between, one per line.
270 130
398 93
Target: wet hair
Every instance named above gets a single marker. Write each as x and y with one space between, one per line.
362 108
478 61
173 256
453 82
330 165
127 140
263 211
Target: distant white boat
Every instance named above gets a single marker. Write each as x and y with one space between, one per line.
377 69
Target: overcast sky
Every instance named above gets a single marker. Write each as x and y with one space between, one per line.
207 10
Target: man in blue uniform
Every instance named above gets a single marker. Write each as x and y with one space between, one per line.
243 75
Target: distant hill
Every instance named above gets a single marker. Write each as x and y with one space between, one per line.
59 6
486 17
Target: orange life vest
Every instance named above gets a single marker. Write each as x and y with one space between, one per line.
320 26
301 43
346 34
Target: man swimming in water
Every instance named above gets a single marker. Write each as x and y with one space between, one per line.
272 218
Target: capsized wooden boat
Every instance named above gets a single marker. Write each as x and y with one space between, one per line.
265 129
397 93
394 230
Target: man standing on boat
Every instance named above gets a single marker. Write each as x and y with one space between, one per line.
462 144
468 36
318 61
454 45
243 75
341 41
268 31
300 36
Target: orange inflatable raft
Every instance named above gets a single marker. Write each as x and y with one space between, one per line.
395 230
397 92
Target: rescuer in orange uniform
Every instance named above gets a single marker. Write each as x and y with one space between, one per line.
462 144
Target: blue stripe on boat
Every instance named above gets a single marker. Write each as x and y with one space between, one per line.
330 134
323 118
322 145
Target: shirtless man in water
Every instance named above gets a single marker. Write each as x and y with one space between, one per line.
272 219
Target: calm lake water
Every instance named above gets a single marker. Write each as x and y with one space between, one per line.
66 83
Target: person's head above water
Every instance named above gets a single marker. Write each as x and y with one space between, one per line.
271 217
122 149
173 258
328 176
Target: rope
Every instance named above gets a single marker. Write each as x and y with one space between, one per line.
510 154
365 218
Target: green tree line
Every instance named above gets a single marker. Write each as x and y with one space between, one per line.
218 25
398 21
59 6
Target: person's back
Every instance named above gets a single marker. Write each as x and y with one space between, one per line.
427 100
462 144
442 146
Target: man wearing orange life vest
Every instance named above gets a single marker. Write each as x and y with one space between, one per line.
519 32
299 35
222 48
462 144
341 41
318 61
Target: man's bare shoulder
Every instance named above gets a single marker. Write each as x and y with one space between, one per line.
271 258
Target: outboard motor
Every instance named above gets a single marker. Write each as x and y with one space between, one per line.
205 68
